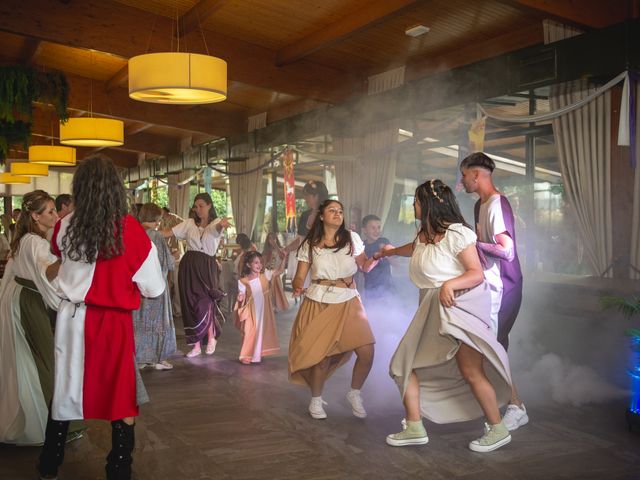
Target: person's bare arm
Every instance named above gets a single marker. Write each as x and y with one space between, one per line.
298 280
366 264
472 276
52 270
503 249
389 251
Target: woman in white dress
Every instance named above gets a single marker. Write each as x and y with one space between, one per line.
449 366
26 337
331 323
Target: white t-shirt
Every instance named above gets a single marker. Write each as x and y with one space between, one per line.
199 239
331 265
433 264
490 224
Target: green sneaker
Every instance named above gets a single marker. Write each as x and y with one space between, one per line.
413 433
495 436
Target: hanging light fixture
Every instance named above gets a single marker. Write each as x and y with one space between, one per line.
52 155
27 169
92 132
178 78
8 179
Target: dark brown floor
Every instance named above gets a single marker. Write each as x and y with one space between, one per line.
213 418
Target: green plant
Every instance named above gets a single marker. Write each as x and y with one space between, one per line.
20 86
629 307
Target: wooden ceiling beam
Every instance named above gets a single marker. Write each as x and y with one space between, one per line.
117 104
121 158
512 41
32 47
112 27
198 14
347 26
587 13
46 125
119 79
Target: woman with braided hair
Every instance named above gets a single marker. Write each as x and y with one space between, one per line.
27 297
449 367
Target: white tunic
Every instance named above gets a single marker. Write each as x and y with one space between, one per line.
258 305
490 224
433 264
331 265
199 239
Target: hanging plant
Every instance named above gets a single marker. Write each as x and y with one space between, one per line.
52 88
17 92
13 133
20 86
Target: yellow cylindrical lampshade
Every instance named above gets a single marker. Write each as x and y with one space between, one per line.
92 132
7 178
52 155
27 169
177 77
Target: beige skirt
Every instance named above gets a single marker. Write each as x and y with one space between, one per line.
324 330
429 347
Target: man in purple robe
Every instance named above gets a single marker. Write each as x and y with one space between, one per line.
494 221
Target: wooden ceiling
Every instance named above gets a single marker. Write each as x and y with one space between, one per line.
285 57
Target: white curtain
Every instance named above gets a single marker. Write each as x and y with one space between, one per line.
635 221
179 194
246 191
366 183
583 141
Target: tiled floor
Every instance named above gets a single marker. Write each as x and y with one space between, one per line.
213 418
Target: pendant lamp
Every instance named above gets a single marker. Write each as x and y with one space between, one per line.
27 169
177 78
7 178
52 155
92 132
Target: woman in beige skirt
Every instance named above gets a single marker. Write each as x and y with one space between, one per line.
331 322
449 366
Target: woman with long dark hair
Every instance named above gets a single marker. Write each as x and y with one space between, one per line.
198 274
107 262
26 335
331 323
449 367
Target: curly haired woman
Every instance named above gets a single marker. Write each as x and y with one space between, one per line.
106 262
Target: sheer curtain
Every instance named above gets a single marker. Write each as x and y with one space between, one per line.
367 182
635 221
179 194
246 191
583 141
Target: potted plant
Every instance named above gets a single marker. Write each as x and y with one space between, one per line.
630 308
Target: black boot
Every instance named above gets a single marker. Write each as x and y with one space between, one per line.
119 459
52 454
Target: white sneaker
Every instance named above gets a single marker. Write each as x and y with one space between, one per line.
515 417
357 408
315 408
163 365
